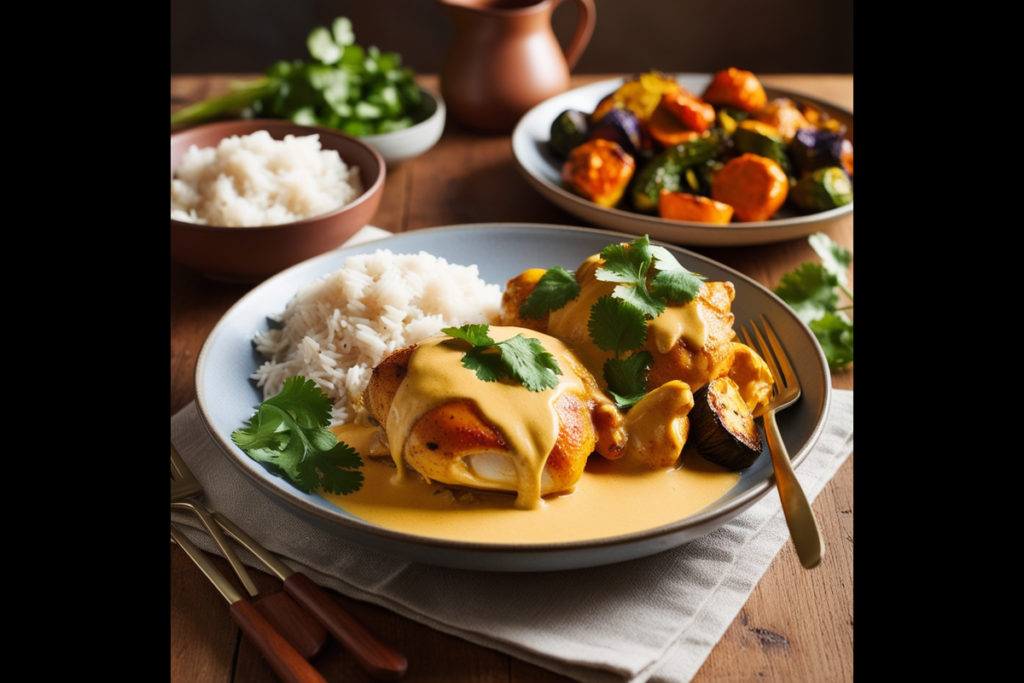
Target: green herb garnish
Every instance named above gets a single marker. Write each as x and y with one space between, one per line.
811 291
523 359
288 436
356 90
555 289
650 279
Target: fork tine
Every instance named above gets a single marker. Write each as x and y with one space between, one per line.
780 352
762 347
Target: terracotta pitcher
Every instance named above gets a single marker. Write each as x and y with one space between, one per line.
505 59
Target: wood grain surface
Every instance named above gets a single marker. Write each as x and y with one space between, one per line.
797 624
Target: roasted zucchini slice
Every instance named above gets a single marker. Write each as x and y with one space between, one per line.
667 171
721 426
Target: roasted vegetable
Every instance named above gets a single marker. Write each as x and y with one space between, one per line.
814 148
640 95
667 130
569 130
621 126
682 206
824 189
762 139
721 426
735 88
665 171
755 186
693 112
784 116
599 170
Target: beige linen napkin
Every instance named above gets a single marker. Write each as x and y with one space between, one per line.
655 618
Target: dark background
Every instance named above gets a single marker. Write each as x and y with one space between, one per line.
776 36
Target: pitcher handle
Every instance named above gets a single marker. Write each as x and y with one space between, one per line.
584 29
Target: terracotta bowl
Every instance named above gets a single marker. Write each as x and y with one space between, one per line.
252 254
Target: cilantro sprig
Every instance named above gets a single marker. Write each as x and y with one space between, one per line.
811 291
556 287
649 279
288 436
521 358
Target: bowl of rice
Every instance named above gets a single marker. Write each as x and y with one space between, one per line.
250 198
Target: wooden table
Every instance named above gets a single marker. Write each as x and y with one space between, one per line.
797 624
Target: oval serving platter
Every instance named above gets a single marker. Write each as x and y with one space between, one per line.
542 170
226 398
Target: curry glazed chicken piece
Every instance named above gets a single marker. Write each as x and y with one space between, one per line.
692 343
440 420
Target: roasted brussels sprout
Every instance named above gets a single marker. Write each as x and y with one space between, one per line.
621 126
823 189
666 171
814 148
569 130
762 139
599 170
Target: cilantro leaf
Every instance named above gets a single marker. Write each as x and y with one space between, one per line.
809 291
524 359
834 257
680 285
288 436
616 325
485 361
629 265
529 362
555 289
835 334
474 334
627 379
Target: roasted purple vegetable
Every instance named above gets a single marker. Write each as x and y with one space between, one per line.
814 148
619 126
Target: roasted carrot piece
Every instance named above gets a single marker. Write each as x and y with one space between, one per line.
736 88
692 111
667 130
682 206
755 186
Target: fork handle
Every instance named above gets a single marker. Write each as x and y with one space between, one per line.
282 657
376 657
803 527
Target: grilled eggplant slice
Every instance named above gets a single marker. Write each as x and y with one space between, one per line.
721 426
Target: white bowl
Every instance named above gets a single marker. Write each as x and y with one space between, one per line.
413 141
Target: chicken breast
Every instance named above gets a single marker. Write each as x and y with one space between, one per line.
691 343
448 425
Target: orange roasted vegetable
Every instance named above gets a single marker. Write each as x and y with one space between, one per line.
785 116
599 170
681 206
667 130
692 111
735 88
754 186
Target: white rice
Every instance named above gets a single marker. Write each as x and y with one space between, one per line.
253 180
337 329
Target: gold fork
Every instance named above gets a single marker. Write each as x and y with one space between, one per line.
803 527
376 657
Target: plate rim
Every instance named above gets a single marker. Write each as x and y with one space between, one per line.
279 492
689 232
